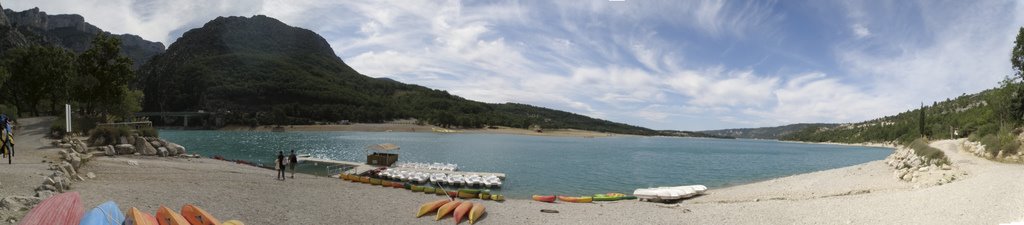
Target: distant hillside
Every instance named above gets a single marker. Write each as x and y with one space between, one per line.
766 132
259 70
965 115
678 133
71 32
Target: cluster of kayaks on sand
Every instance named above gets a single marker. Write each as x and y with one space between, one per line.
66 209
659 194
583 199
458 210
461 193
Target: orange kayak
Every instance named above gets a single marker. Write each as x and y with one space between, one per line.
476 212
544 198
198 216
167 216
446 208
461 211
138 217
431 207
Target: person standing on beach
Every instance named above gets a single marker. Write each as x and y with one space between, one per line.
292 160
280 165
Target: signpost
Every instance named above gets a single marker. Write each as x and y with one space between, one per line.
67 118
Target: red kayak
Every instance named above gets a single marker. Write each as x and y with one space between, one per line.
544 198
62 209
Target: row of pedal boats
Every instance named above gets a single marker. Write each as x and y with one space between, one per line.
490 181
428 166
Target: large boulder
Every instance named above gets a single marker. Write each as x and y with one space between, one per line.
19 203
124 149
175 149
144 147
76 161
162 152
108 150
123 140
67 168
156 144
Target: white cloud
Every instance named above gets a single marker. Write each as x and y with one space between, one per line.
860 31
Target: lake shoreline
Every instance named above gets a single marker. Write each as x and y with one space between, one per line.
865 193
387 127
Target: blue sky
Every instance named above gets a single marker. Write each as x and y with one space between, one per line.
687 65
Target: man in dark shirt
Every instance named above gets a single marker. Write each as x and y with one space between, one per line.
280 165
292 160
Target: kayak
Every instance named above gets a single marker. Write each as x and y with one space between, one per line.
416 188
453 194
628 197
198 216
445 209
365 180
62 209
374 181
431 207
385 183
469 193
544 198
408 186
104 214
603 197
439 191
476 212
166 216
497 197
232 222
428 190
581 199
485 195
461 211
138 217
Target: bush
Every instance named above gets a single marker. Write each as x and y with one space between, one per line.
922 149
110 135
149 132
57 129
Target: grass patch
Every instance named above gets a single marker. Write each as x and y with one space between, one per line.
929 153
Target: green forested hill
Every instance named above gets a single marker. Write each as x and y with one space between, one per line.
976 116
767 132
259 70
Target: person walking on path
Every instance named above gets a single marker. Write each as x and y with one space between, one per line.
292 160
280 165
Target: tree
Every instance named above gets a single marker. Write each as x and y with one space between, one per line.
921 126
38 73
103 76
1017 55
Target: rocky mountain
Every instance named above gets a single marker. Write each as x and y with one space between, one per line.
72 32
778 132
9 35
258 70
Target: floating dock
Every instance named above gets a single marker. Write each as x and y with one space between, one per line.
359 168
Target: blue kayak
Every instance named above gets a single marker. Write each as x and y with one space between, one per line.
104 214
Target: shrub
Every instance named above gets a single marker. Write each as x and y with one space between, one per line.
110 135
149 132
57 129
922 149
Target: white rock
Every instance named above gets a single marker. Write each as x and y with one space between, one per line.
109 150
123 149
922 169
90 175
133 163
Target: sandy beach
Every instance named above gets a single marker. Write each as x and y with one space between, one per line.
389 127
866 193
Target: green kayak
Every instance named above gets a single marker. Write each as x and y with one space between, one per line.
603 197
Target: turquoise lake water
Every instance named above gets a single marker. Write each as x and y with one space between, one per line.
551 165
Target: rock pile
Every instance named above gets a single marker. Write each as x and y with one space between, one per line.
912 168
134 145
978 149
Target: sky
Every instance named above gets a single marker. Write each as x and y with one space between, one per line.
683 65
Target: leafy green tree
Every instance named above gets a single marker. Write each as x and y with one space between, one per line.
38 73
1017 55
103 77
